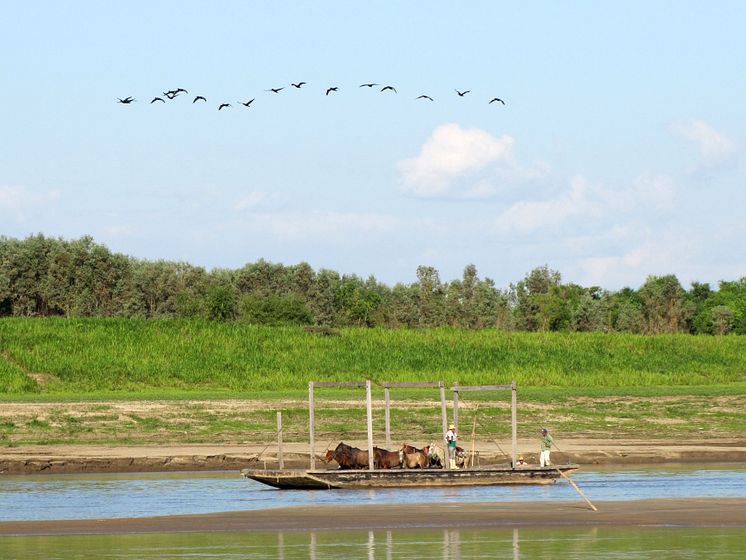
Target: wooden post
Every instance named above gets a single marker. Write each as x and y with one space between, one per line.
369 401
513 421
455 409
444 419
311 425
280 459
387 416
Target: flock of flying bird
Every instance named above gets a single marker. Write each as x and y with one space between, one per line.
172 94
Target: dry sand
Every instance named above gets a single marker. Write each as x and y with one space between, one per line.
161 458
716 512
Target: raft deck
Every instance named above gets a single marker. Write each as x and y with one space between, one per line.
298 479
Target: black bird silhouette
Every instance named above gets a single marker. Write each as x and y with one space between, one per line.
298 85
198 98
180 90
223 105
275 90
249 102
391 88
126 100
157 99
496 99
331 89
368 85
462 93
171 94
424 97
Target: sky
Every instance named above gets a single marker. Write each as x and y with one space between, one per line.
618 154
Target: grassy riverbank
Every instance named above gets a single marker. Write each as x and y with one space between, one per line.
84 356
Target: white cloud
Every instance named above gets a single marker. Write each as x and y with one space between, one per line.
453 153
525 216
714 147
249 201
648 251
587 201
326 226
18 200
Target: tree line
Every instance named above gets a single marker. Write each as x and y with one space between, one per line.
43 276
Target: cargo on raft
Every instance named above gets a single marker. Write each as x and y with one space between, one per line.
298 479
399 473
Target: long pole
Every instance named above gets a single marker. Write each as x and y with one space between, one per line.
571 481
455 409
311 425
514 421
444 421
387 416
280 459
369 403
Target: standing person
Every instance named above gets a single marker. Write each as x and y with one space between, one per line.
451 440
546 448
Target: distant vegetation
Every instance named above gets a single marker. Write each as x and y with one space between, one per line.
46 277
84 355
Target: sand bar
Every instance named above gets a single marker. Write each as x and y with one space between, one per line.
698 512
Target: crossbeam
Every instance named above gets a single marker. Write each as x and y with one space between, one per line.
412 385
356 384
481 387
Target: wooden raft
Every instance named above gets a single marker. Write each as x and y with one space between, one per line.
402 478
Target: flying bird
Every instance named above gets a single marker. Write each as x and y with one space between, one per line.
223 105
275 90
171 94
462 93
157 99
126 100
199 97
368 85
298 85
331 89
180 90
496 99
424 97
249 102
391 88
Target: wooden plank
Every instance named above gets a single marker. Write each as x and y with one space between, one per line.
311 425
369 407
480 387
412 384
280 459
356 384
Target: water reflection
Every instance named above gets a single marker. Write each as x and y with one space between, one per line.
648 543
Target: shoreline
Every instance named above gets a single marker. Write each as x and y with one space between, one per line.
693 512
70 459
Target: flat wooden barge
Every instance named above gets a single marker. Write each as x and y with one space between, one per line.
298 479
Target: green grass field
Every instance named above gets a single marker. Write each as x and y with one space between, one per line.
123 356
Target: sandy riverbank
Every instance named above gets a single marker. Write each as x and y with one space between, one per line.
701 512
164 458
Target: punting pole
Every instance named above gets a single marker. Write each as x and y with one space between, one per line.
369 403
280 460
571 481
311 425
444 420
514 421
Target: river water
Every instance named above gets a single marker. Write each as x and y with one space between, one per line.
134 495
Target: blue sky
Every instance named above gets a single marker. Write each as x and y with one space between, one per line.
618 154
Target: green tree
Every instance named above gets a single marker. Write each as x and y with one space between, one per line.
665 306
